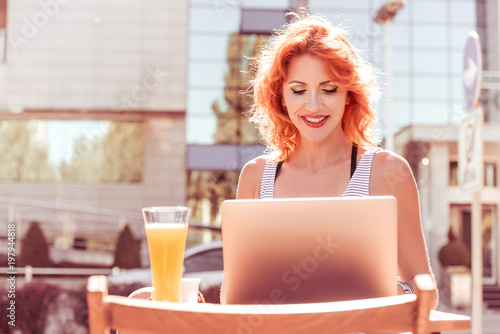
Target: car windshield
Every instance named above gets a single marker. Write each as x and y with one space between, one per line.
210 260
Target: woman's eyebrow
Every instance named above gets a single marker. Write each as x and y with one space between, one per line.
296 81
303 83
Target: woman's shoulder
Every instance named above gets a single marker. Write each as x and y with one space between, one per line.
256 165
388 160
390 172
251 177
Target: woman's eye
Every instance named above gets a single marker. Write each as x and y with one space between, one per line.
302 91
334 90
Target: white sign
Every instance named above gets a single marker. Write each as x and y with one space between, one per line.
472 71
470 151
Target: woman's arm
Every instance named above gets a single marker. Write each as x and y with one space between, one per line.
250 179
392 176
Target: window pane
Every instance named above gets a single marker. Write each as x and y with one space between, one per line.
429 11
401 113
430 87
430 112
207 74
208 47
351 4
453 182
200 129
401 87
430 36
261 21
400 35
275 4
73 151
401 61
216 18
206 191
202 101
458 37
457 91
489 223
430 62
457 62
490 174
463 12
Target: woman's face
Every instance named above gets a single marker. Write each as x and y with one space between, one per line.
314 102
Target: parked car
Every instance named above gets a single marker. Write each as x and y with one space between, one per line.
203 261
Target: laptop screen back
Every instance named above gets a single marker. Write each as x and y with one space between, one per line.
305 250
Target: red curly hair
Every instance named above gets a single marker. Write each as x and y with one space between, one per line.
312 35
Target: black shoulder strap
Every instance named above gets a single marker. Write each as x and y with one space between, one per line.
354 158
278 169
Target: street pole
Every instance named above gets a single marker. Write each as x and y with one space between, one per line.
384 16
477 265
471 164
389 133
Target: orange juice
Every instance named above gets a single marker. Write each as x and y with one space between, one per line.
166 242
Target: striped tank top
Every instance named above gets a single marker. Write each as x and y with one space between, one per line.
359 184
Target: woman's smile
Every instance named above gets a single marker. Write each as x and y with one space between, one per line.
315 121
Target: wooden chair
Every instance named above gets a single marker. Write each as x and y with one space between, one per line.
404 313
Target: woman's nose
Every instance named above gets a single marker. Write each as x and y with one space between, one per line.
314 102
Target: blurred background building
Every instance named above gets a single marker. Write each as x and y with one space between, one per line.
110 106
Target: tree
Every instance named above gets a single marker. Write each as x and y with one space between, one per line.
127 250
117 157
23 155
454 253
123 153
38 301
35 250
232 126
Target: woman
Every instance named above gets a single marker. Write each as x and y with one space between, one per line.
313 102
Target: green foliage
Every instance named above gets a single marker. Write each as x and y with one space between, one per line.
34 302
34 248
127 250
212 294
4 304
23 156
81 315
454 253
232 127
113 154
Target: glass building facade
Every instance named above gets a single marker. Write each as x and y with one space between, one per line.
428 38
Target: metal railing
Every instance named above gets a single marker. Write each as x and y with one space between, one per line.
13 201
69 227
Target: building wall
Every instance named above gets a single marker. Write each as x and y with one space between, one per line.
438 198
164 180
90 59
95 55
97 212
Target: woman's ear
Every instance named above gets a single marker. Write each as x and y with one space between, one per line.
348 98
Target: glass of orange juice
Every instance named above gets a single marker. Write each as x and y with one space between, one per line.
166 232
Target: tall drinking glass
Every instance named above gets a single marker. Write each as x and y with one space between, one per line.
166 232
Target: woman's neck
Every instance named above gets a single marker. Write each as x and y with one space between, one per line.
317 155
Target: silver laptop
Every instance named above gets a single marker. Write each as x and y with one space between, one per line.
305 250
